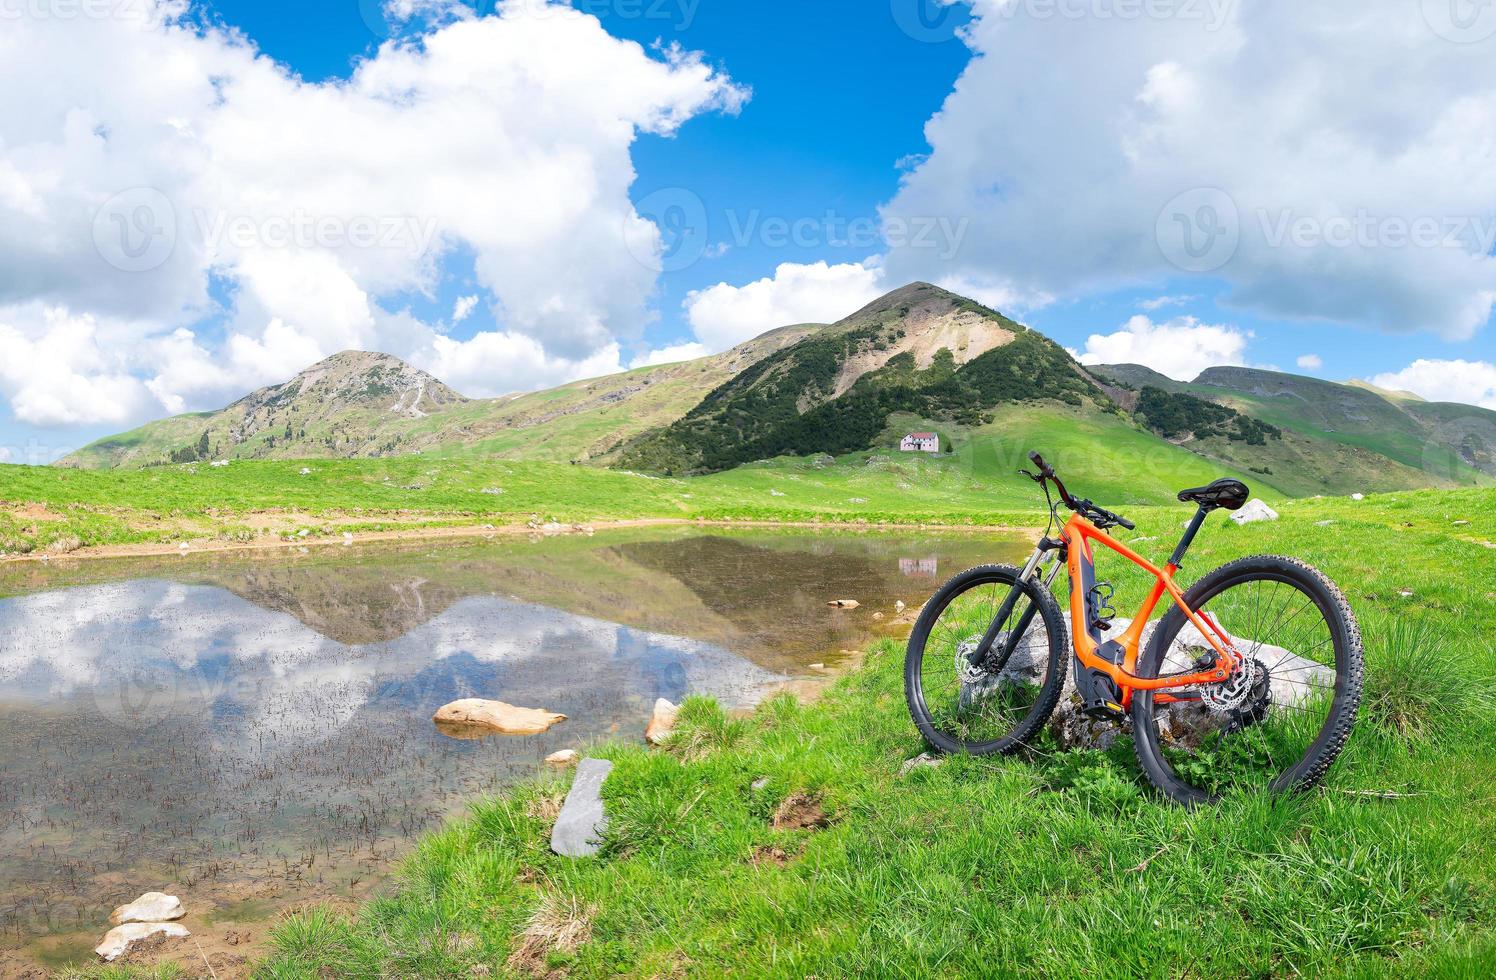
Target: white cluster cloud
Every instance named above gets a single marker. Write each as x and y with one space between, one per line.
1311 362
673 354
464 308
60 369
501 362
160 155
1472 382
1256 142
1180 348
724 315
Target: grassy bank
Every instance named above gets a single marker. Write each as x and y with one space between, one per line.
1052 865
61 510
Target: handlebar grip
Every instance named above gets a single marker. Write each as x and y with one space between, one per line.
1038 461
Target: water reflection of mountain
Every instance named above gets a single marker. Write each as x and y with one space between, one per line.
235 710
762 596
153 722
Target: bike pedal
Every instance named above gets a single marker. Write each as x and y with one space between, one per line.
1105 710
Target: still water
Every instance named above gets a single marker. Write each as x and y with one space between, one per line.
253 731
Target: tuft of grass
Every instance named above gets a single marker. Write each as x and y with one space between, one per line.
556 930
703 727
1419 682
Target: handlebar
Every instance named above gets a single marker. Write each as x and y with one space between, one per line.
1100 515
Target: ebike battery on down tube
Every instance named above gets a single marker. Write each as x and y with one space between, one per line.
1099 693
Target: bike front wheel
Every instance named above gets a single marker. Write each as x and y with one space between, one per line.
1282 718
984 709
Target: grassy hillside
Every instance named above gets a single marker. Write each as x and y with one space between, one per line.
918 350
918 354
362 405
1336 438
1101 454
1056 864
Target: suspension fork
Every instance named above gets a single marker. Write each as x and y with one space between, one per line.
984 656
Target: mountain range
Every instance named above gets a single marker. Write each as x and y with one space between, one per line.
919 356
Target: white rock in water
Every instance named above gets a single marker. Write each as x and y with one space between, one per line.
898 607
150 907
121 938
562 759
1358 496
1254 510
844 603
662 722
496 716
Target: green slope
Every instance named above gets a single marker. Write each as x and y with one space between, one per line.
1335 438
366 405
918 350
918 358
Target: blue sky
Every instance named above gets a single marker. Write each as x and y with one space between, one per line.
1039 146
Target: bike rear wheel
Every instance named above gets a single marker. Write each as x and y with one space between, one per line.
1280 721
960 707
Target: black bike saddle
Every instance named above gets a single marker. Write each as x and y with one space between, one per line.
1225 492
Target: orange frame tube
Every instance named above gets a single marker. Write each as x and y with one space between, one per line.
1078 533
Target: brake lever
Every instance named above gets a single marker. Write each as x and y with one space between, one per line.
1031 476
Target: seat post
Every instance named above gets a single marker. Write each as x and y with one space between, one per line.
1189 536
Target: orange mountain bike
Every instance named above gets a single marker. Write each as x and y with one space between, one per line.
1250 680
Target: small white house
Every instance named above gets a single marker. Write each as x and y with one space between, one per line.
920 442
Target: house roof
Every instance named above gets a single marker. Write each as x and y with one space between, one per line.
920 435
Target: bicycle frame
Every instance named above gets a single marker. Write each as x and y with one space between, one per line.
1077 536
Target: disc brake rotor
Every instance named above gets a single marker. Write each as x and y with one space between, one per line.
968 672
1251 681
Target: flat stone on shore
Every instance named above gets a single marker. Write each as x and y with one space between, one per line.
580 827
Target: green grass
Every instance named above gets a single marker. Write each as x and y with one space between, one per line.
1059 865
1101 455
